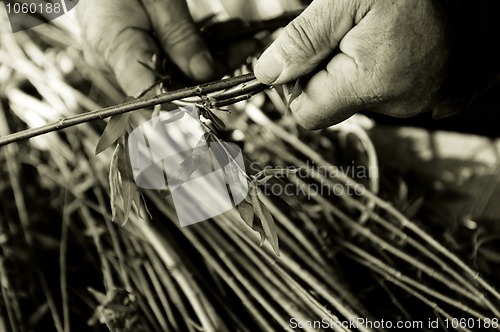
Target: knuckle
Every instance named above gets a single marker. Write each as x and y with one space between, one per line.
117 53
364 96
306 113
400 110
174 34
299 39
302 119
92 58
305 122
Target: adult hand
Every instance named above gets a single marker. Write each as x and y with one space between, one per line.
120 33
387 56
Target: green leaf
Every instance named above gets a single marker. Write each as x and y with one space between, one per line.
257 227
225 153
270 228
290 199
121 182
233 174
116 128
124 165
267 220
141 201
296 91
114 181
164 193
208 114
129 188
247 212
188 166
228 152
218 123
265 179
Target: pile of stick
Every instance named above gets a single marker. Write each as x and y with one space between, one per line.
343 258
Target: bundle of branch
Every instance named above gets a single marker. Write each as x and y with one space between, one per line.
345 256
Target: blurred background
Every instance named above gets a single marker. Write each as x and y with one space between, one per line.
420 244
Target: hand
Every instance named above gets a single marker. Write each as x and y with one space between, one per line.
120 33
387 56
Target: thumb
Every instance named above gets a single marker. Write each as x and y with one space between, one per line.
306 41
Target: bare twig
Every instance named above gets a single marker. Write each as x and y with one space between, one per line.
127 107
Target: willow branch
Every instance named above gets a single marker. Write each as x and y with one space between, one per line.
134 105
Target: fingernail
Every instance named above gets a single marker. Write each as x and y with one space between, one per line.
268 68
201 66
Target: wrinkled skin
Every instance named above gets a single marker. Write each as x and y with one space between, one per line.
119 33
392 59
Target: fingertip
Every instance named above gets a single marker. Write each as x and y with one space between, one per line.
268 67
180 38
301 110
191 55
313 111
136 77
202 66
134 87
237 53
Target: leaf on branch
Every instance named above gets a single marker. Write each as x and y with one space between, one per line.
114 181
266 219
129 188
116 128
164 193
141 199
247 212
296 92
289 196
123 190
188 166
237 185
225 153
208 114
257 227
264 180
288 192
124 166
270 228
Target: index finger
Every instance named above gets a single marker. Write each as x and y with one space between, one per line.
179 37
118 30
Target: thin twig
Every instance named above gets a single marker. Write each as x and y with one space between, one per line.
178 271
234 284
63 262
127 107
369 260
13 170
259 117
